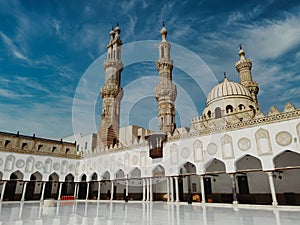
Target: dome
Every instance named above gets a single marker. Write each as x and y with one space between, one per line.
227 88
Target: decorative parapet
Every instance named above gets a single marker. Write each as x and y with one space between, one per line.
16 143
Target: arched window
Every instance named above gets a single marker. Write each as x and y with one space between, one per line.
209 114
162 52
241 107
252 108
218 113
229 109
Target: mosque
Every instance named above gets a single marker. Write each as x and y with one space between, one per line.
232 153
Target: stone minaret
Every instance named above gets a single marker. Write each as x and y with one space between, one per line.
243 67
111 92
165 91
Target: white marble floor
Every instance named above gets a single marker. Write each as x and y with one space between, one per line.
142 213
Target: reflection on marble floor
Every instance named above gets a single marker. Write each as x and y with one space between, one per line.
116 213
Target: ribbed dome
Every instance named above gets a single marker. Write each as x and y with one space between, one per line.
227 88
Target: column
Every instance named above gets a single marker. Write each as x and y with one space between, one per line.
75 191
172 189
87 190
43 191
112 190
99 190
168 189
148 190
202 189
3 189
235 201
144 190
59 192
176 189
151 189
127 181
24 190
272 187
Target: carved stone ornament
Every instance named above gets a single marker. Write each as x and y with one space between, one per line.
135 160
56 166
212 148
244 144
72 167
284 138
38 165
185 153
20 163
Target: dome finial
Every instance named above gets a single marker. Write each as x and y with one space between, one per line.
224 75
163 32
241 52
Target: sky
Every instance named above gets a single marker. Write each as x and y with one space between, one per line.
52 53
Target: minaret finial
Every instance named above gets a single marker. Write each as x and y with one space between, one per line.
224 75
117 24
163 23
241 46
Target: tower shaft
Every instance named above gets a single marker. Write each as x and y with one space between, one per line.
111 93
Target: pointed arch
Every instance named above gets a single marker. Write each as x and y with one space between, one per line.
83 177
120 174
158 171
287 158
135 173
17 175
215 166
187 168
94 176
69 178
36 176
53 177
248 162
106 176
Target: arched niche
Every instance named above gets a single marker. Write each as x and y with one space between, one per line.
198 151
135 173
187 168
9 163
120 174
287 159
29 164
48 166
174 154
126 160
158 171
248 162
215 166
263 142
64 167
227 148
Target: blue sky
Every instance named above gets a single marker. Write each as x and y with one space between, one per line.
46 47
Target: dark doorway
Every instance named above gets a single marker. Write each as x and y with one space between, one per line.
82 188
115 193
68 186
180 189
207 186
243 184
10 189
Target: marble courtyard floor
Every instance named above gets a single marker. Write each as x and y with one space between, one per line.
144 213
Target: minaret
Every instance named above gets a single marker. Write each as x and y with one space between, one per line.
111 92
165 91
243 67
